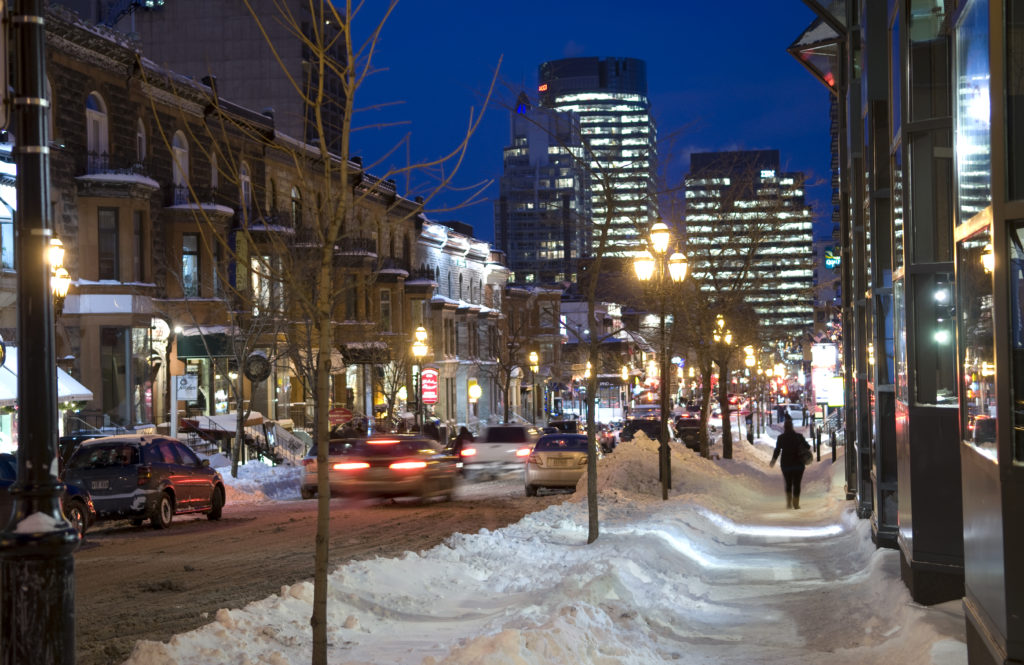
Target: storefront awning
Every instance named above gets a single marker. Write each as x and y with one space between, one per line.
68 389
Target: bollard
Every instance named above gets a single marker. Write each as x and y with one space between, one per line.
832 442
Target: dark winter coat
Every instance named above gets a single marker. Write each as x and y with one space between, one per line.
790 444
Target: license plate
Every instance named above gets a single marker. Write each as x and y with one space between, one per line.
560 462
100 484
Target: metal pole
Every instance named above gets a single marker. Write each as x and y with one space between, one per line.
665 462
37 584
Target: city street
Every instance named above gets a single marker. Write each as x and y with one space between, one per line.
137 583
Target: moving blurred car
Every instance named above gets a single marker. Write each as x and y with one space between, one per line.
606 438
499 448
394 466
335 449
566 426
558 460
140 476
652 428
75 501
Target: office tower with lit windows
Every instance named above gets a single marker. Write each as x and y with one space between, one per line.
740 206
610 97
542 214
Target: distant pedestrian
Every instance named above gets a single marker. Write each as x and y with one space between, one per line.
461 439
791 445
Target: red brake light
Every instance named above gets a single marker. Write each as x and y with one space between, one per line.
409 465
350 466
145 473
381 442
523 452
468 452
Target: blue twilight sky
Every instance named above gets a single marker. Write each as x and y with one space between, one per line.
718 78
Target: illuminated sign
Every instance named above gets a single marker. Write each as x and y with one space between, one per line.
428 385
831 258
543 87
767 173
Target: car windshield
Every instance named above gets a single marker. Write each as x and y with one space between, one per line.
567 443
104 455
336 447
506 435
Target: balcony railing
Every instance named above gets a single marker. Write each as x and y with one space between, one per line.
101 164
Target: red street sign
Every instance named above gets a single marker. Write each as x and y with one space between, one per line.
428 385
339 416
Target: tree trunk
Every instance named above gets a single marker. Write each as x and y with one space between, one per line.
705 410
593 529
723 404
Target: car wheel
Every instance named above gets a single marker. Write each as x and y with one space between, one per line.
531 490
76 515
163 512
307 493
216 504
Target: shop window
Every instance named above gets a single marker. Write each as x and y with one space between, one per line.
114 354
1015 99
190 265
106 225
976 342
1016 318
6 237
972 114
934 351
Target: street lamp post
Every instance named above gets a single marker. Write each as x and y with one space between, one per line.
534 368
662 269
419 351
723 339
37 582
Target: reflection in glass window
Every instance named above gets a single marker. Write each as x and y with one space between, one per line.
900 304
977 344
1015 98
934 312
973 117
1016 270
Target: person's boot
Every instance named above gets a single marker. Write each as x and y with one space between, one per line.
789 499
796 501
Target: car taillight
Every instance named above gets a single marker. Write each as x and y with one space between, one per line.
350 466
535 459
408 465
468 452
523 452
145 473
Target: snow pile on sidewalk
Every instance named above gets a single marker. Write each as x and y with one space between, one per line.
719 573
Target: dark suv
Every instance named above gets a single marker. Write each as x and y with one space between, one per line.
140 476
652 428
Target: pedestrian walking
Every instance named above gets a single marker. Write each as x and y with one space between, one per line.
461 439
793 449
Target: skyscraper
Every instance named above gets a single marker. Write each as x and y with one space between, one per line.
749 231
610 97
542 215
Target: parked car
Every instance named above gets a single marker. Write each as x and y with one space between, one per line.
652 428
499 448
394 466
74 500
335 450
146 476
557 460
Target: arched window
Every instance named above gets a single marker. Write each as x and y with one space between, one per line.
245 183
140 141
296 206
97 144
179 150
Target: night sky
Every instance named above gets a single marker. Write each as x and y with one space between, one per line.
718 78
